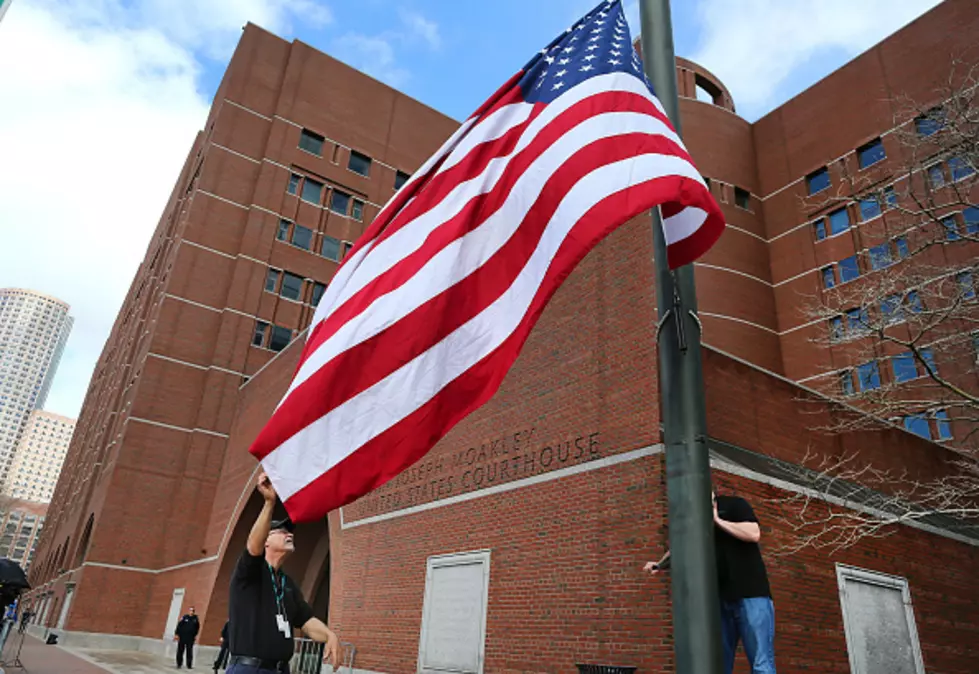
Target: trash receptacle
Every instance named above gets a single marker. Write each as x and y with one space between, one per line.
605 669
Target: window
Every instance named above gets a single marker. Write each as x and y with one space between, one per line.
330 249
280 338
312 191
871 153
971 217
965 285
930 123
849 269
357 210
869 208
868 375
359 163
283 233
918 425
936 176
292 286
272 280
914 302
742 198
903 367
846 383
951 228
400 178
943 425
880 256
302 237
960 168
261 327
856 321
817 181
829 277
339 202
928 355
901 244
820 228
836 329
294 181
318 290
890 309
839 221
311 142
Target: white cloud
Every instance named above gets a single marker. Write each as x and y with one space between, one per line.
96 121
756 46
421 27
376 55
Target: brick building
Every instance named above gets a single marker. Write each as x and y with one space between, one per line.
22 522
541 507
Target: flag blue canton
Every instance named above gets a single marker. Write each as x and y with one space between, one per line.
598 44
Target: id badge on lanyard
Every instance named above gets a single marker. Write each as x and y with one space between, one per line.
281 618
283 624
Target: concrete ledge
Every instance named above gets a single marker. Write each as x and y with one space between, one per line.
97 641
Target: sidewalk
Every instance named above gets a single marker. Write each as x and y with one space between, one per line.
39 658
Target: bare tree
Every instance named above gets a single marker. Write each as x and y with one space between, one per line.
902 319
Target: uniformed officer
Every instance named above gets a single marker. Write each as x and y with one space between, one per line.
265 605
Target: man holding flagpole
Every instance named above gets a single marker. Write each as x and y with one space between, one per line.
430 309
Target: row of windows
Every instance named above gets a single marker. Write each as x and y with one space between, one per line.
877 257
302 237
290 286
358 162
312 191
272 337
904 368
855 323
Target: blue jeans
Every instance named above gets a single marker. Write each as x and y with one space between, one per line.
753 622
248 669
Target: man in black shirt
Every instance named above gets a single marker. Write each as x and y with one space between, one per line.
265 604
186 634
747 611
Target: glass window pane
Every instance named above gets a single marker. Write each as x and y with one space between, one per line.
901 244
918 425
936 176
294 181
960 168
330 249
820 227
302 237
272 280
868 375
400 178
339 202
836 329
359 163
903 367
312 191
914 302
928 355
890 197
891 310
742 198
280 338
292 286
930 123
871 153
966 286
261 327
849 269
839 221
318 290
357 211
869 208
283 233
880 256
817 181
971 217
829 277
951 228
311 142
856 321
846 383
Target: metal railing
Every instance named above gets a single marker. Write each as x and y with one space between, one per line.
308 657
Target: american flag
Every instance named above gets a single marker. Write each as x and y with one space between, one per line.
431 308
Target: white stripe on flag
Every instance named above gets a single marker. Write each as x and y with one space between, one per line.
683 224
303 458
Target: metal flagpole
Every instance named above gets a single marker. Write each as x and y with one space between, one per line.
696 608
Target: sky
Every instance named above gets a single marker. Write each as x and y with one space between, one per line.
100 101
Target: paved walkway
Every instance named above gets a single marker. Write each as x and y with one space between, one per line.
39 658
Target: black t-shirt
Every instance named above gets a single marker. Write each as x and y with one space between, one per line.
252 609
740 569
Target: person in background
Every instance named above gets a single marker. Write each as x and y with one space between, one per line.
221 662
186 634
747 610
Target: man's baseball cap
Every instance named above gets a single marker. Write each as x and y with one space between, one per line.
285 524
